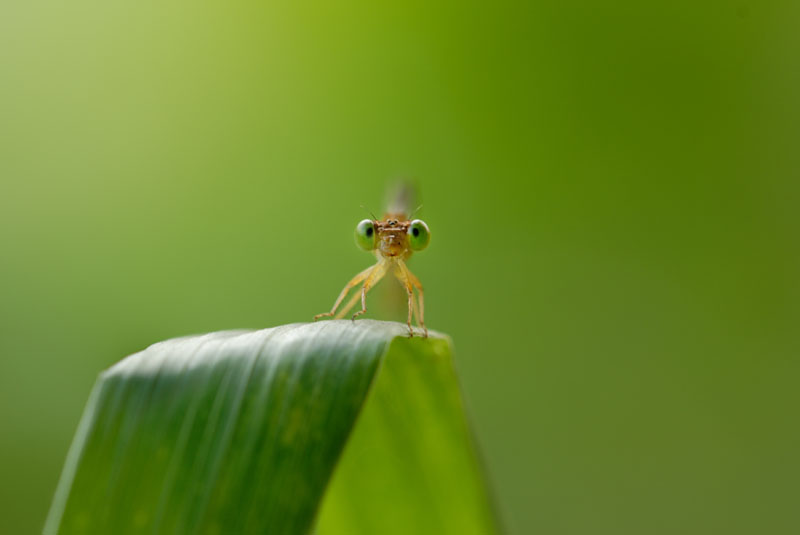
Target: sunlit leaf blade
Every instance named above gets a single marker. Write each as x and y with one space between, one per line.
240 432
410 466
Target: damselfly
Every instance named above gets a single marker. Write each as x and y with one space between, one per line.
393 240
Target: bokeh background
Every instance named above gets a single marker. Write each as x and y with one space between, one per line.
612 188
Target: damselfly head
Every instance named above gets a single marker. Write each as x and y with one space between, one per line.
392 237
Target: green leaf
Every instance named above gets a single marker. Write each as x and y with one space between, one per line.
339 426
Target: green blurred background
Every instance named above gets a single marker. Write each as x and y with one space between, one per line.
612 189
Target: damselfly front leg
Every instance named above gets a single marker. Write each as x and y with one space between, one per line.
410 282
350 304
355 281
378 271
421 298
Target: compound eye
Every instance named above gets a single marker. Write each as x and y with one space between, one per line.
365 235
418 235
